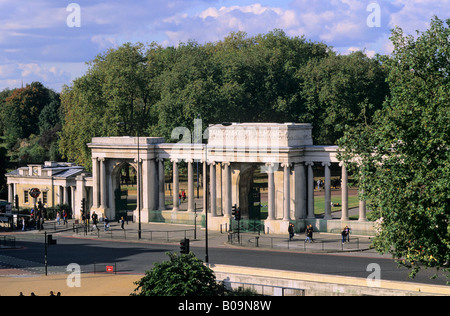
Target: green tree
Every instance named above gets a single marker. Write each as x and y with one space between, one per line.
25 114
114 90
3 165
403 157
340 91
183 275
265 78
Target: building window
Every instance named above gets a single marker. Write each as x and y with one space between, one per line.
25 197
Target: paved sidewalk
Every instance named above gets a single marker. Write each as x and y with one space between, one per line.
173 233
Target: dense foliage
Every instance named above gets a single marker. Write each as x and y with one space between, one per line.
265 78
182 275
403 157
29 123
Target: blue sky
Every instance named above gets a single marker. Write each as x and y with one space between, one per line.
38 44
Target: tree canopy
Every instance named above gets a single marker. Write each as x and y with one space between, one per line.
26 114
403 156
182 275
265 78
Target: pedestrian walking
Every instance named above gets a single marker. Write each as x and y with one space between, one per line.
58 218
291 231
347 233
309 233
106 223
94 220
122 222
344 235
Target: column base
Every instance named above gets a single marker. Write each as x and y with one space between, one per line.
144 215
215 223
276 226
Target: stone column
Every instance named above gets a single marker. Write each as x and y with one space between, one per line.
149 190
362 209
66 195
327 190
191 193
286 192
103 188
271 191
227 190
11 194
176 188
161 185
212 174
344 193
300 191
96 184
310 190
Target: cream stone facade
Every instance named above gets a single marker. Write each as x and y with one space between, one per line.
285 152
56 181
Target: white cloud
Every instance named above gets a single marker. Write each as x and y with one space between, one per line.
417 14
34 36
213 24
12 75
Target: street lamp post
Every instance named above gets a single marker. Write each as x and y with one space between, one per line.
138 187
205 193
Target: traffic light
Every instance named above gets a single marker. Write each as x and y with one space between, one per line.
83 206
184 246
238 214
233 211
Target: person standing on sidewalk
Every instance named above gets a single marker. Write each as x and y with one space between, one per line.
309 233
344 235
106 223
122 222
347 233
291 231
94 220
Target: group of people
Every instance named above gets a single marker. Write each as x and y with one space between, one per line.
64 217
182 197
51 294
310 230
95 221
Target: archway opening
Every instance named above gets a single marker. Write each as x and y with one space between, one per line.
252 183
125 190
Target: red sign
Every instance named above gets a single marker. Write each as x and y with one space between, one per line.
109 269
35 193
